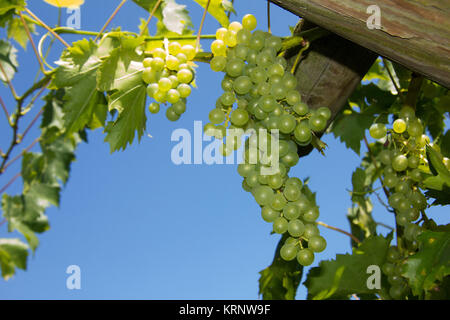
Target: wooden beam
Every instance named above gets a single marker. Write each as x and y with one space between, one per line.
414 33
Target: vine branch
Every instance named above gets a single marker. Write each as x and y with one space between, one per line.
323 224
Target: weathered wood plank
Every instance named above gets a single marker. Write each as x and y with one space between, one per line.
414 33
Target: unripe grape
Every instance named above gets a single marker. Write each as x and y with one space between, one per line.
287 123
317 123
400 163
216 116
317 243
399 126
174 48
218 48
311 214
164 84
305 257
249 22
154 107
296 228
184 90
242 85
218 63
189 51
407 113
227 98
185 76
152 88
239 117
275 181
231 38
181 57
172 63
293 97
311 230
303 133
390 180
235 67
291 211
160 96
280 225
301 108
288 252
290 160
415 128
278 202
174 80
291 192
179 107
377 131
273 42
324 112
149 75
243 37
171 114
221 33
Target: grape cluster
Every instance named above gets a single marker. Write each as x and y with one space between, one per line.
257 81
400 161
169 75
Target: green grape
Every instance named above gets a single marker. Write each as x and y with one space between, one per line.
264 60
407 113
296 228
404 204
311 214
295 182
262 179
227 84
152 88
280 225
288 252
385 157
160 96
249 22
275 69
242 85
289 80
239 117
273 42
291 211
158 64
415 175
264 88
324 112
221 33
289 84
231 38
185 76
184 90
179 107
311 230
174 48
189 51
159 53
278 91
278 202
303 133
174 80
243 38
393 254
413 162
291 192
260 114
172 63
263 195
164 84
400 163
252 179
390 180
418 200
241 51
302 203
397 292
399 126
415 128
227 98
171 114
154 107
305 257
216 116
235 67
394 199
235 26
388 269
402 219
402 187
173 96
287 123
181 58
412 231
293 97
218 48
257 41
317 243
412 214
258 75
267 104
275 181
291 159
244 169
147 63
301 108
283 148
245 186
149 75
377 131
317 123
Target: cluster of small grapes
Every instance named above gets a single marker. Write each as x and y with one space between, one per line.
169 75
401 159
257 81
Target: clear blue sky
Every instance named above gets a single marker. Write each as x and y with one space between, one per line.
141 227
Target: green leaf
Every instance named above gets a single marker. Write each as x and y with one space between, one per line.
7 5
430 264
78 74
8 60
218 9
13 254
175 17
445 144
17 32
281 279
361 221
347 274
350 128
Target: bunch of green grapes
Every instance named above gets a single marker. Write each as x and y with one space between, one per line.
257 82
403 155
169 75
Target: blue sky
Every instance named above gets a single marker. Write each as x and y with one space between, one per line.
141 227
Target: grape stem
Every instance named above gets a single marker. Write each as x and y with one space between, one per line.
42 24
2 103
323 224
27 31
197 44
268 17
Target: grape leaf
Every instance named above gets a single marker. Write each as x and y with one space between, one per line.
175 17
7 5
218 9
13 254
438 184
430 264
350 128
347 274
17 32
8 60
281 279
